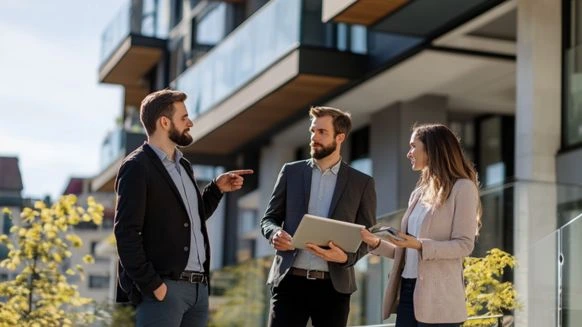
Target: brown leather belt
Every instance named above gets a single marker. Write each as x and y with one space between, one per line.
194 277
309 274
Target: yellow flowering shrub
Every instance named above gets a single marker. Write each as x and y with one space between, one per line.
40 294
486 293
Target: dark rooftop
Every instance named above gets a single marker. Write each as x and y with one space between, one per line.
10 178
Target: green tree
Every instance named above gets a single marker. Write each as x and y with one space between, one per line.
244 302
40 294
486 294
115 314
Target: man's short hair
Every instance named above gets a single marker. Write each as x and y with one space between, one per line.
156 105
342 121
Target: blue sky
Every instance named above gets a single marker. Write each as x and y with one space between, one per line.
53 112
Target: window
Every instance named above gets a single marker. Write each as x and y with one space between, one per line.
3 277
176 12
177 59
465 130
205 174
248 221
210 29
162 18
148 23
344 37
98 282
359 39
193 3
3 252
6 224
572 110
360 150
95 256
303 152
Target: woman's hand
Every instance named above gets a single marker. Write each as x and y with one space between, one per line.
408 241
372 240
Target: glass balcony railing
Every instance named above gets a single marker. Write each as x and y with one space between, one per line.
243 295
146 18
117 144
570 273
264 38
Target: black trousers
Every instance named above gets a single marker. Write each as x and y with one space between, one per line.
405 312
297 299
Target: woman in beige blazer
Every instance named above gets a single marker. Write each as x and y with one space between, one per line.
426 287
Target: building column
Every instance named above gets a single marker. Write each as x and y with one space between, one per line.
273 157
390 130
538 114
389 142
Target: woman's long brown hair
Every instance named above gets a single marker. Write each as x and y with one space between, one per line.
446 164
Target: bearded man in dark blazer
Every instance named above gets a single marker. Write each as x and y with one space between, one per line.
160 220
317 282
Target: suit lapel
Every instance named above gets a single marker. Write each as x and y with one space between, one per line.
307 172
160 167
340 186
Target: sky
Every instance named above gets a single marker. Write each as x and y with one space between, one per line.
54 114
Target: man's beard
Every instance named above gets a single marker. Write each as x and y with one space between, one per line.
324 151
181 139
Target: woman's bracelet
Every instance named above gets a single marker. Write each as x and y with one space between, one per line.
377 245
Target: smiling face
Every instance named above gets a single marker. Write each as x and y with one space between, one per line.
417 154
324 141
180 124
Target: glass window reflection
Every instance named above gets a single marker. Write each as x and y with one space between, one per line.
211 28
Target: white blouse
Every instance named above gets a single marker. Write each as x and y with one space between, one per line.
414 223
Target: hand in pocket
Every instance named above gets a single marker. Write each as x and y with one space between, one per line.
161 292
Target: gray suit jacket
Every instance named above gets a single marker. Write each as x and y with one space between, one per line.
354 201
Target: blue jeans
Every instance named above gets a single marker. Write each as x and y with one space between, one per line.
405 312
185 304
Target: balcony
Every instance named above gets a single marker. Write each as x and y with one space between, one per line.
278 62
365 12
133 43
115 147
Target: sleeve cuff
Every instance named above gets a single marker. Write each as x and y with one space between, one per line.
273 234
152 286
215 188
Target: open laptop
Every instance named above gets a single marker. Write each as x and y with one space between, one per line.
321 230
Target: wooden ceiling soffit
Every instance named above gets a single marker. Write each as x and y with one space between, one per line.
275 108
364 12
133 59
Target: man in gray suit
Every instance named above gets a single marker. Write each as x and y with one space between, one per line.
316 283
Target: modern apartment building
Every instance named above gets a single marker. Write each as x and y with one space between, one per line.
503 74
11 198
99 278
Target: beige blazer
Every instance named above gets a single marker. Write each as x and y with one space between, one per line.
447 236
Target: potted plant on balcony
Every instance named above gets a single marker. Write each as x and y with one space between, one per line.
487 296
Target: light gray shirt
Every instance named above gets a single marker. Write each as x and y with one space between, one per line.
414 223
322 188
188 193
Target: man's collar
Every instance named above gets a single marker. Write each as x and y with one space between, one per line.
334 169
163 155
